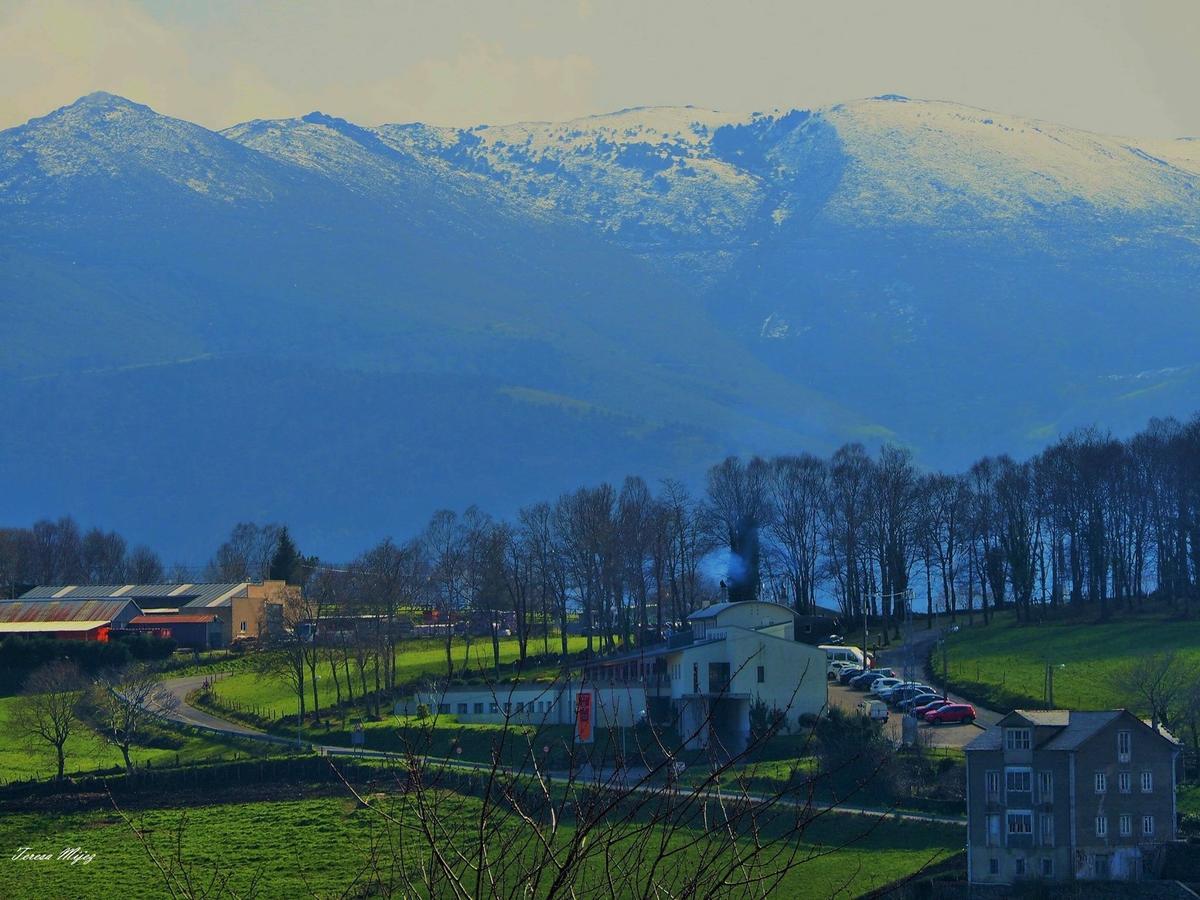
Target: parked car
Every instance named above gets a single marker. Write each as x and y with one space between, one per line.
882 685
904 691
849 674
951 713
886 689
910 703
919 711
869 677
873 709
836 669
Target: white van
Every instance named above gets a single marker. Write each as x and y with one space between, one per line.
835 653
873 709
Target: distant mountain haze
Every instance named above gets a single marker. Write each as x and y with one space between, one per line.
344 327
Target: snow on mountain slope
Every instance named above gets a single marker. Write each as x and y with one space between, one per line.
699 186
102 138
645 178
941 164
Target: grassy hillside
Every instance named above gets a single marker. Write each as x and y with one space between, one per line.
273 694
318 848
86 752
1003 665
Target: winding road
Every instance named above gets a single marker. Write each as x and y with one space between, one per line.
186 714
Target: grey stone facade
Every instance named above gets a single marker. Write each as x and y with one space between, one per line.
1069 795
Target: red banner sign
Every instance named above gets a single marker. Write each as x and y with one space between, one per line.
583 717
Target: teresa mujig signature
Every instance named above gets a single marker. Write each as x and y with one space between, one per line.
73 855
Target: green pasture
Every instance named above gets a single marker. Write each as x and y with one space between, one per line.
87 752
272 695
321 847
1003 665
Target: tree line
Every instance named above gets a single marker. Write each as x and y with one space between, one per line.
1090 522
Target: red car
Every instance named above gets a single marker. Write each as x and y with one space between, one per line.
951 712
929 707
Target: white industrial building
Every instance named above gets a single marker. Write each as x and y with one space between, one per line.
706 679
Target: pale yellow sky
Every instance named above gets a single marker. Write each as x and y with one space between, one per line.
1107 65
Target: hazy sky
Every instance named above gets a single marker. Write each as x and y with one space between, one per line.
1122 67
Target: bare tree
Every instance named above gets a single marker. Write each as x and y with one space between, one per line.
126 702
1157 682
799 488
48 708
737 509
144 566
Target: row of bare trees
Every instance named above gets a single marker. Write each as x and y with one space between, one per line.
1091 521
60 552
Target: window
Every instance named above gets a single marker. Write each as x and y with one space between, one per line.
1100 866
478 709
1019 865
444 708
993 830
1101 783
520 707
1123 746
993 784
493 708
993 866
1045 786
1147 782
762 674
1020 822
507 708
243 628
1124 782
1101 826
1148 826
1125 825
1047 867
1017 739
1046 829
462 709
1017 780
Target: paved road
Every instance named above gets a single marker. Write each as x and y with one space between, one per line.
198 718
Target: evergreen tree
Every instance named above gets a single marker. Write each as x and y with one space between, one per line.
286 564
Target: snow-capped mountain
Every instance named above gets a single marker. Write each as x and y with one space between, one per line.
402 316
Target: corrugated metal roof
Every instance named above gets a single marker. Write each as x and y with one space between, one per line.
104 610
197 619
211 594
43 627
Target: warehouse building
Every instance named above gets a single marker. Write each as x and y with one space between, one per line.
76 620
246 609
199 631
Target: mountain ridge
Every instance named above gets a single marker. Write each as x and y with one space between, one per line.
671 284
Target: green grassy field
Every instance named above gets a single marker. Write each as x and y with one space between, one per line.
414 659
318 847
1003 665
86 752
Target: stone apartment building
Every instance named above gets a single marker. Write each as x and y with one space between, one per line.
1060 794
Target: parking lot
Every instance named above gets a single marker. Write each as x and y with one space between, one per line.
935 735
